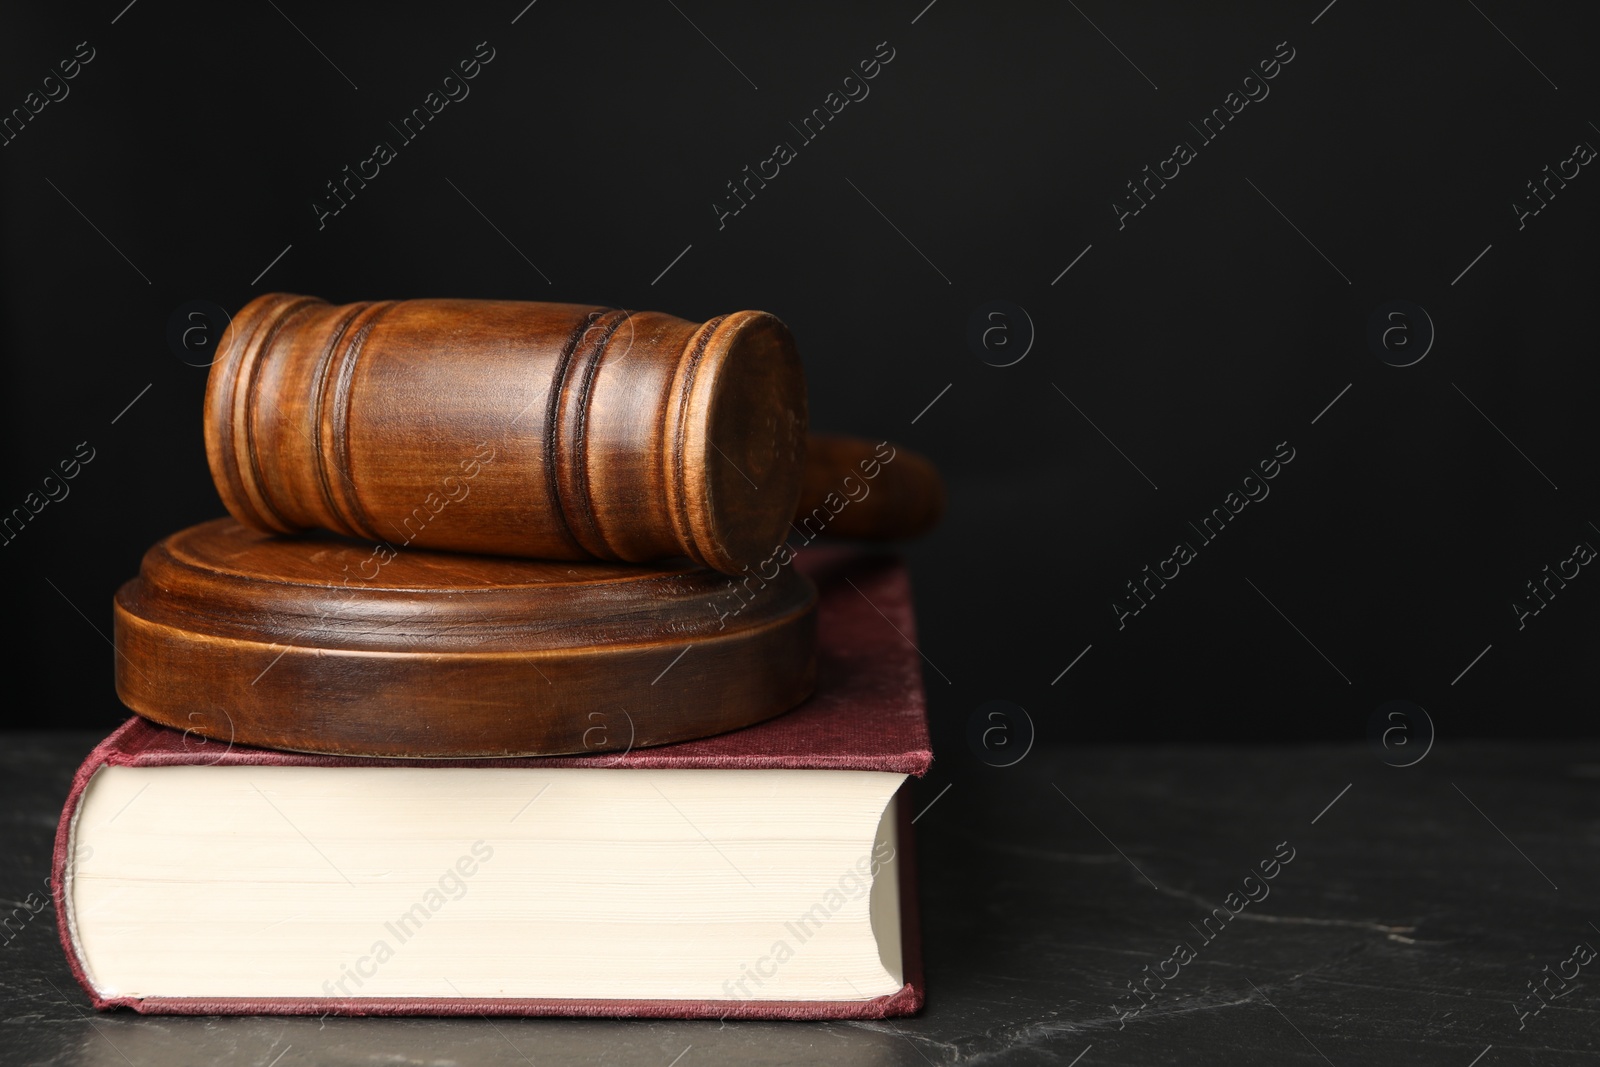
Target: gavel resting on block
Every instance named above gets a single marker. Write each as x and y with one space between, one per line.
573 456
548 431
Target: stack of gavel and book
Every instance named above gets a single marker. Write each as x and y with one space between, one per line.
509 687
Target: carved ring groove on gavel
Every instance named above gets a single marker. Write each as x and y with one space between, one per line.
554 431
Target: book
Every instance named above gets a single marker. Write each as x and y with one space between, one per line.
763 873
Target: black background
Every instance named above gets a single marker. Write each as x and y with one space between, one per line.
1199 336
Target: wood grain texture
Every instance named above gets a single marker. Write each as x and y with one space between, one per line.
854 488
318 644
550 431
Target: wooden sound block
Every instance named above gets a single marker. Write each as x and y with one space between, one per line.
319 644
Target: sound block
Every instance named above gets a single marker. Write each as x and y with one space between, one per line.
320 644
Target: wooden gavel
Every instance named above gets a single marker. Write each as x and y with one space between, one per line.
553 431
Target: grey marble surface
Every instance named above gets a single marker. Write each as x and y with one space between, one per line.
1418 906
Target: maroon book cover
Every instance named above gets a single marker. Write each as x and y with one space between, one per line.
868 713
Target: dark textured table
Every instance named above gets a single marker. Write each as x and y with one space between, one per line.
1418 905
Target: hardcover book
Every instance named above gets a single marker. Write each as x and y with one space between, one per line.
763 873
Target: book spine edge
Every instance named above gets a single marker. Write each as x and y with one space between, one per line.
113 751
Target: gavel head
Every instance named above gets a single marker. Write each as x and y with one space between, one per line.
554 431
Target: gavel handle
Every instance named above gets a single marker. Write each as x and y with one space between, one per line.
855 488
